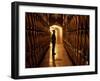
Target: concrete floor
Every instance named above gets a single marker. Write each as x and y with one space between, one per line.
60 59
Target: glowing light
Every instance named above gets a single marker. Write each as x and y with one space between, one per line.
58 33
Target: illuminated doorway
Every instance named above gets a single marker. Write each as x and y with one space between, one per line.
58 32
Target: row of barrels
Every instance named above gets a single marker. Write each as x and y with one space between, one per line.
37 39
77 47
76 39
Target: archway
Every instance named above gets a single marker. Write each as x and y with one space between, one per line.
58 33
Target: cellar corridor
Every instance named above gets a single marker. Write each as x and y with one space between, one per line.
60 59
67 33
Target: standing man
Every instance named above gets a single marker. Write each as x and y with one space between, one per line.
53 42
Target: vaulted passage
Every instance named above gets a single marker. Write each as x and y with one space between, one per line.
56 40
61 57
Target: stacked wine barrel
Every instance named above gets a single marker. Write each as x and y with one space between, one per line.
37 38
76 39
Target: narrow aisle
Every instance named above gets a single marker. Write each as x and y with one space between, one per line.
60 59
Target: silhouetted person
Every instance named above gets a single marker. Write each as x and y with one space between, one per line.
53 42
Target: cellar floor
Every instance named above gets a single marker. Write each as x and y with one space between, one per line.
60 59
